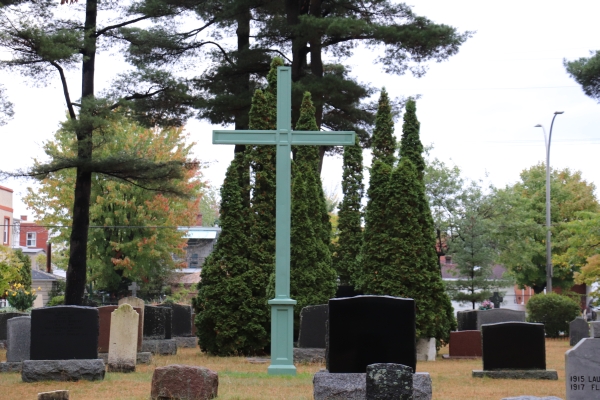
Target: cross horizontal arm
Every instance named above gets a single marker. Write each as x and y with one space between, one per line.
323 138
307 138
245 137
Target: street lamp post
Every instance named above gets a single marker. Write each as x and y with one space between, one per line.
548 222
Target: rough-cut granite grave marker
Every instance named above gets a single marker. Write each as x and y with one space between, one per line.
18 339
578 329
366 330
64 333
389 381
122 353
312 326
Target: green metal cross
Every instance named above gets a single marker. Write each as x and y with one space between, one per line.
282 306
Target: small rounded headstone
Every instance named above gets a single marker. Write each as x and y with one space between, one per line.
389 381
184 382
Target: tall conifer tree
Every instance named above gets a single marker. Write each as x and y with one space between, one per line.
347 250
312 278
377 251
435 315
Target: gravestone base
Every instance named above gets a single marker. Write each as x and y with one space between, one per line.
188 342
10 366
163 347
142 358
308 356
449 357
389 381
547 374
426 350
62 370
353 386
121 367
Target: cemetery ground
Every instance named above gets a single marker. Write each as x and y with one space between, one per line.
239 379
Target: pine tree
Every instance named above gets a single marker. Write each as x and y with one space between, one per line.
435 315
312 278
377 250
230 306
347 250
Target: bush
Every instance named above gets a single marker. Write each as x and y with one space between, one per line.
554 311
20 297
56 301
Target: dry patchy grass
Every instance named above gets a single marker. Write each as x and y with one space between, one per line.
239 379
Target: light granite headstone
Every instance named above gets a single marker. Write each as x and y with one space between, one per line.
582 370
122 352
135 302
18 332
578 329
389 381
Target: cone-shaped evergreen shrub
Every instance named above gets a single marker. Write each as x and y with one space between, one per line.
347 250
384 141
231 312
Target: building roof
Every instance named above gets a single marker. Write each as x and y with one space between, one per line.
6 189
37 275
30 250
200 232
186 278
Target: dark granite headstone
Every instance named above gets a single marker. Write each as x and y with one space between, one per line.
312 326
513 345
104 314
366 330
5 317
181 319
465 344
157 322
473 319
64 333
578 329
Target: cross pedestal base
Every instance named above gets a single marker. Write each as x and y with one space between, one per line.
282 337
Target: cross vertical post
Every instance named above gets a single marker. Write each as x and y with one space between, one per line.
133 287
282 306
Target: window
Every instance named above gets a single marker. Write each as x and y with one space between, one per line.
5 227
194 261
30 239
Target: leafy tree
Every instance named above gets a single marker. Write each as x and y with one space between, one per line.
131 241
350 236
312 278
10 264
444 190
581 239
43 43
377 250
473 250
209 206
231 307
586 71
24 270
521 227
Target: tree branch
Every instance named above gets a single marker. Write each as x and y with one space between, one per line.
122 24
65 87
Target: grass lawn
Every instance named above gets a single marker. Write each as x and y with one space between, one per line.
239 379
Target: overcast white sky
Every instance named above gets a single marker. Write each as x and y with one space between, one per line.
478 109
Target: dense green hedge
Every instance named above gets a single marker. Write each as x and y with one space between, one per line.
554 311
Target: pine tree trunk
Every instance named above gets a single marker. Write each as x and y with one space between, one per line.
76 271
